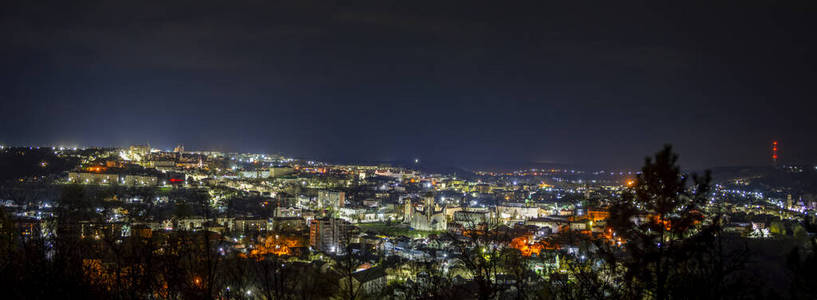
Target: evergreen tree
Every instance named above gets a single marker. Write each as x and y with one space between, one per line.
656 218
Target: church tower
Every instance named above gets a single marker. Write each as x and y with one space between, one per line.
407 211
428 206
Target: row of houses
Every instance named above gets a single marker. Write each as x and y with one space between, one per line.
112 178
94 229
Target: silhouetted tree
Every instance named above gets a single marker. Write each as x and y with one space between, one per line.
802 267
481 253
346 265
670 244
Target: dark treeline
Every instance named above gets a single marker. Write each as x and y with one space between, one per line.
58 260
674 247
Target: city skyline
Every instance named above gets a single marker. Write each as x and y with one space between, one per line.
384 149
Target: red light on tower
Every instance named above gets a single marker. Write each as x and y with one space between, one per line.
774 152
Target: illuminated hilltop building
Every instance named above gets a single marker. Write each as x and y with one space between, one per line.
140 151
135 152
431 218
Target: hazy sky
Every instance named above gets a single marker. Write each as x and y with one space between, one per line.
591 83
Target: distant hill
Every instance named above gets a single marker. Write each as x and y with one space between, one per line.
800 181
425 167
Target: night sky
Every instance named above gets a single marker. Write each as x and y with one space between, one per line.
601 84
